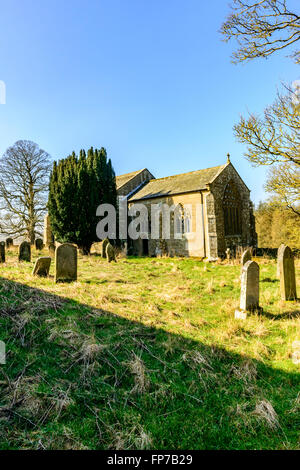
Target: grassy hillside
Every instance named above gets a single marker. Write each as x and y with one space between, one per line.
146 354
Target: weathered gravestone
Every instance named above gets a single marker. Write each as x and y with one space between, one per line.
66 263
39 244
104 245
9 242
249 300
279 254
25 251
228 254
110 253
2 252
287 274
246 256
42 266
51 249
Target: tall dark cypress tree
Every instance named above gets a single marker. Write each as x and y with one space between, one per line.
78 185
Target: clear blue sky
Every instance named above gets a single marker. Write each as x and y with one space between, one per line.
150 80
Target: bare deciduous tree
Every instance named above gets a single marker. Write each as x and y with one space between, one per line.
284 183
275 138
261 28
24 180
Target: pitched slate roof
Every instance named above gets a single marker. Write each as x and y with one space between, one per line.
177 184
123 179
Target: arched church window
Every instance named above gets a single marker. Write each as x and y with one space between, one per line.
178 215
187 221
232 210
183 219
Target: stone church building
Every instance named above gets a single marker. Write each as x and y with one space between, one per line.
219 195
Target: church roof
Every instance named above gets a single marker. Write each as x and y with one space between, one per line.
177 184
123 179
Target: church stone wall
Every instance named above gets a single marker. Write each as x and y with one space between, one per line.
191 244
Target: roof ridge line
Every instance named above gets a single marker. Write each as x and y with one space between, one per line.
187 173
131 172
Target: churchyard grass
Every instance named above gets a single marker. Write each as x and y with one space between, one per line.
146 354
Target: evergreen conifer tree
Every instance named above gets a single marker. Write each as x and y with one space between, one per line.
78 185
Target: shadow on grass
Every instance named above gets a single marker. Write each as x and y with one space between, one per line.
281 316
82 377
268 279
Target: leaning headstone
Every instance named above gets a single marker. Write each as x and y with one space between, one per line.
9 242
42 267
66 263
39 244
51 249
110 253
246 256
104 245
249 300
25 252
287 274
279 254
2 252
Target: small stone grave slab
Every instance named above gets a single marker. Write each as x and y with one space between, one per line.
25 251
66 263
39 244
2 252
249 300
9 242
110 253
42 266
104 245
287 274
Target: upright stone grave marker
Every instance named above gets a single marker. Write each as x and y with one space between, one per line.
228 254
249 299
66 263
287 274
9 242
279 254
25 252
42 267
104 245
2 252
39 244
110 253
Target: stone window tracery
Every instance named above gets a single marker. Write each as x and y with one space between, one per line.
232 210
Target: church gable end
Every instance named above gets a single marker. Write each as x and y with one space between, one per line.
231 211
130 182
